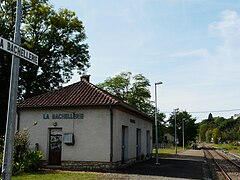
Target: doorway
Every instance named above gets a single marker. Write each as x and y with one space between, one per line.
138 144
55 146
124 144
148 143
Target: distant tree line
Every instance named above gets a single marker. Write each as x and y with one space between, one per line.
219 129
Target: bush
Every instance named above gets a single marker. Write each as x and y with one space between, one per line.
24 159
1 151
33 161
1 159
21 148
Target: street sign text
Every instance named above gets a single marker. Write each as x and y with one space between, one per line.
18 51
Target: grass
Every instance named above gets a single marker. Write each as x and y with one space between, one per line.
59 175
229 147
167 151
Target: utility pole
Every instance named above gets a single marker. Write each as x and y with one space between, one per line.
175 124
183 133
12 103
156 122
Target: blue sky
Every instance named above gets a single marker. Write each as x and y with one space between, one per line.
192 46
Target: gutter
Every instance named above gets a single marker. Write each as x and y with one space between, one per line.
111 133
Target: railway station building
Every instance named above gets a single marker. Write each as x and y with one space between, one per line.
81 126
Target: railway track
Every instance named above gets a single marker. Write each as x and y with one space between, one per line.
225 168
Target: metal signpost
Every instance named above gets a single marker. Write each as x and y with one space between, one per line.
17 53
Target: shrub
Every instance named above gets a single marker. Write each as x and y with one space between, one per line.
21 148
1 159
1 150
24 159
33 161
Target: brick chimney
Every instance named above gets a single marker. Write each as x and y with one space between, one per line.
85 78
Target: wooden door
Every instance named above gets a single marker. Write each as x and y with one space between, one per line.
124 144
55 146
138 144
148 143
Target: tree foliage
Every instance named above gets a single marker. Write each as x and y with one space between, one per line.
190 127
219 128
55 36
132 89
216 135
202 131
208 135
162 129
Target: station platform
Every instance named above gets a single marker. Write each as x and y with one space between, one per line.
189 164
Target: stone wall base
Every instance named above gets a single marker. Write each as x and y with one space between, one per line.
89 165
92 165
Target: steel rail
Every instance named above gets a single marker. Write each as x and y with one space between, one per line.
229 160
224 173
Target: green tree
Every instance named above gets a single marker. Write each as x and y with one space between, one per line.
208 135
228 128
119 85
133 89
216 135
210 117
162 129
202 131
56 37
190 127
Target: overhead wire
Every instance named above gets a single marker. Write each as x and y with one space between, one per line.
208 111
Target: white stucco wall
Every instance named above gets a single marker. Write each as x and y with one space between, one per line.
92 133
122 118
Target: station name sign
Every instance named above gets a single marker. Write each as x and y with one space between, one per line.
63 116
18 51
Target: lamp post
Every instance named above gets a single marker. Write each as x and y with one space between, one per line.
175 125
183 132
156 126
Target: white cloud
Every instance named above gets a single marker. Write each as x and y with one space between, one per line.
202 52
214 79
220 64
228 30
228 26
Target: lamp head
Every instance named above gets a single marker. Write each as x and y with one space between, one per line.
157 83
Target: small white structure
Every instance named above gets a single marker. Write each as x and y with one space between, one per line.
235 116
168 138
83 127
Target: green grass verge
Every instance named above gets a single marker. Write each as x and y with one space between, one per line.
229 147
167 151
59 175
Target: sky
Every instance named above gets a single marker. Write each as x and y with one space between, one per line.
192 46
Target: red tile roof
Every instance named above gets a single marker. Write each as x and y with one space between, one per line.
77 94
81 93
